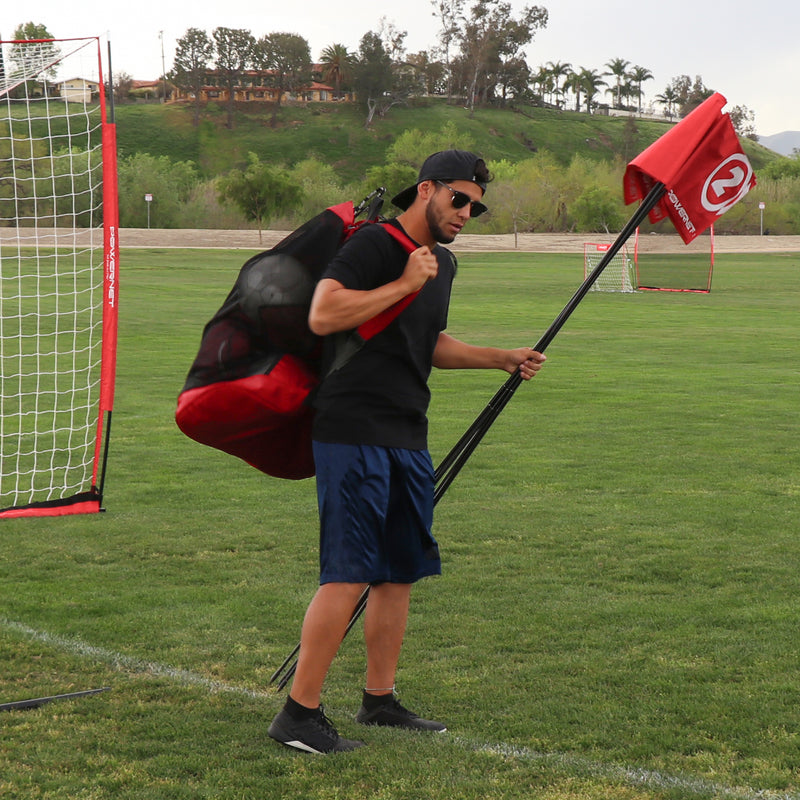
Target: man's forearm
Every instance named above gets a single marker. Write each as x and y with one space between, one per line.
452 353
335 308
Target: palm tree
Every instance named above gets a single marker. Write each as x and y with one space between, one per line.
575 85
668 98
639 75
543 80
337 61
558 70
628 92
591 81
619 68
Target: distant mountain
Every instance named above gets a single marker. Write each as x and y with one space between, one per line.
783 143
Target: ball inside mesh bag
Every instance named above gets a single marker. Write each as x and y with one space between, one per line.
275 293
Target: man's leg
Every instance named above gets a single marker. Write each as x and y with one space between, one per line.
302 723
322 633
384 629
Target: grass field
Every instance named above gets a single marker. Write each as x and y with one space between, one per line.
618 612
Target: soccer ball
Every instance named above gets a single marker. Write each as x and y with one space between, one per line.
274 294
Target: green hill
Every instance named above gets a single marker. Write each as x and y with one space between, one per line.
335 133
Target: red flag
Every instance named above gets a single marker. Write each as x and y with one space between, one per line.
701 164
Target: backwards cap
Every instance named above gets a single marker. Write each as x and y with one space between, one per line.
447 165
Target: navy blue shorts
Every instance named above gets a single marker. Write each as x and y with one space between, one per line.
376 514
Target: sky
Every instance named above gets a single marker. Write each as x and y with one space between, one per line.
747 51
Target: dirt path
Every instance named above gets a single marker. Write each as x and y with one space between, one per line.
466 243
526 242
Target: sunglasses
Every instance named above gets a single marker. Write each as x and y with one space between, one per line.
460 199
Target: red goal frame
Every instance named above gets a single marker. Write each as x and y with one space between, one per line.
89 498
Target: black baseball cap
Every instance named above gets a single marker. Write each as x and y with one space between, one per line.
447 165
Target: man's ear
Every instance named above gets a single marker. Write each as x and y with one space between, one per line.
426 189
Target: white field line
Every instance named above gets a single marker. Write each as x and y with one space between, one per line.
630 776
563 762
125 663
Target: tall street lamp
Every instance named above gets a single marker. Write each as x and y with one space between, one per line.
163 68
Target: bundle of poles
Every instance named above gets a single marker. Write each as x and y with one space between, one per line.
452 463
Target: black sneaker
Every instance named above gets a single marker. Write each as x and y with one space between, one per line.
313 735
390 713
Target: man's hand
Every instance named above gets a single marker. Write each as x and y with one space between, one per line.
528 361
421 267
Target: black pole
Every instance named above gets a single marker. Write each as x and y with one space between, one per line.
111 109
104 466
361 604
20 705
283 666
457 457
452 463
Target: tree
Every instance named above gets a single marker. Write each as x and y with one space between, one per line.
783 167
528 195
516 34
688 94
31 31
288 58
630 138
261 191
76 174
698 93
639 75
31 162
591 81
320 185
392 176
412 147
393 39
543 83
190 67
618 67
337 66
451 18
514 78
490 38
558 70
169 182
431 76
373 76
573 83
744 122
597 210
46 53
123 82
668 98
234 48
515 200
628 93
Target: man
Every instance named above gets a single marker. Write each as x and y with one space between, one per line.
374 472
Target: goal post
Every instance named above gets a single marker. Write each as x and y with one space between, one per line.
618 274
688 270
59 276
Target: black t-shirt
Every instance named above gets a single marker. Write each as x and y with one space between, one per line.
381 396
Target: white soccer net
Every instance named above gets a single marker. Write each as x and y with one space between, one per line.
57 276
617 275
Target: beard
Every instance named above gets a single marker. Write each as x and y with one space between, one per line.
435 227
